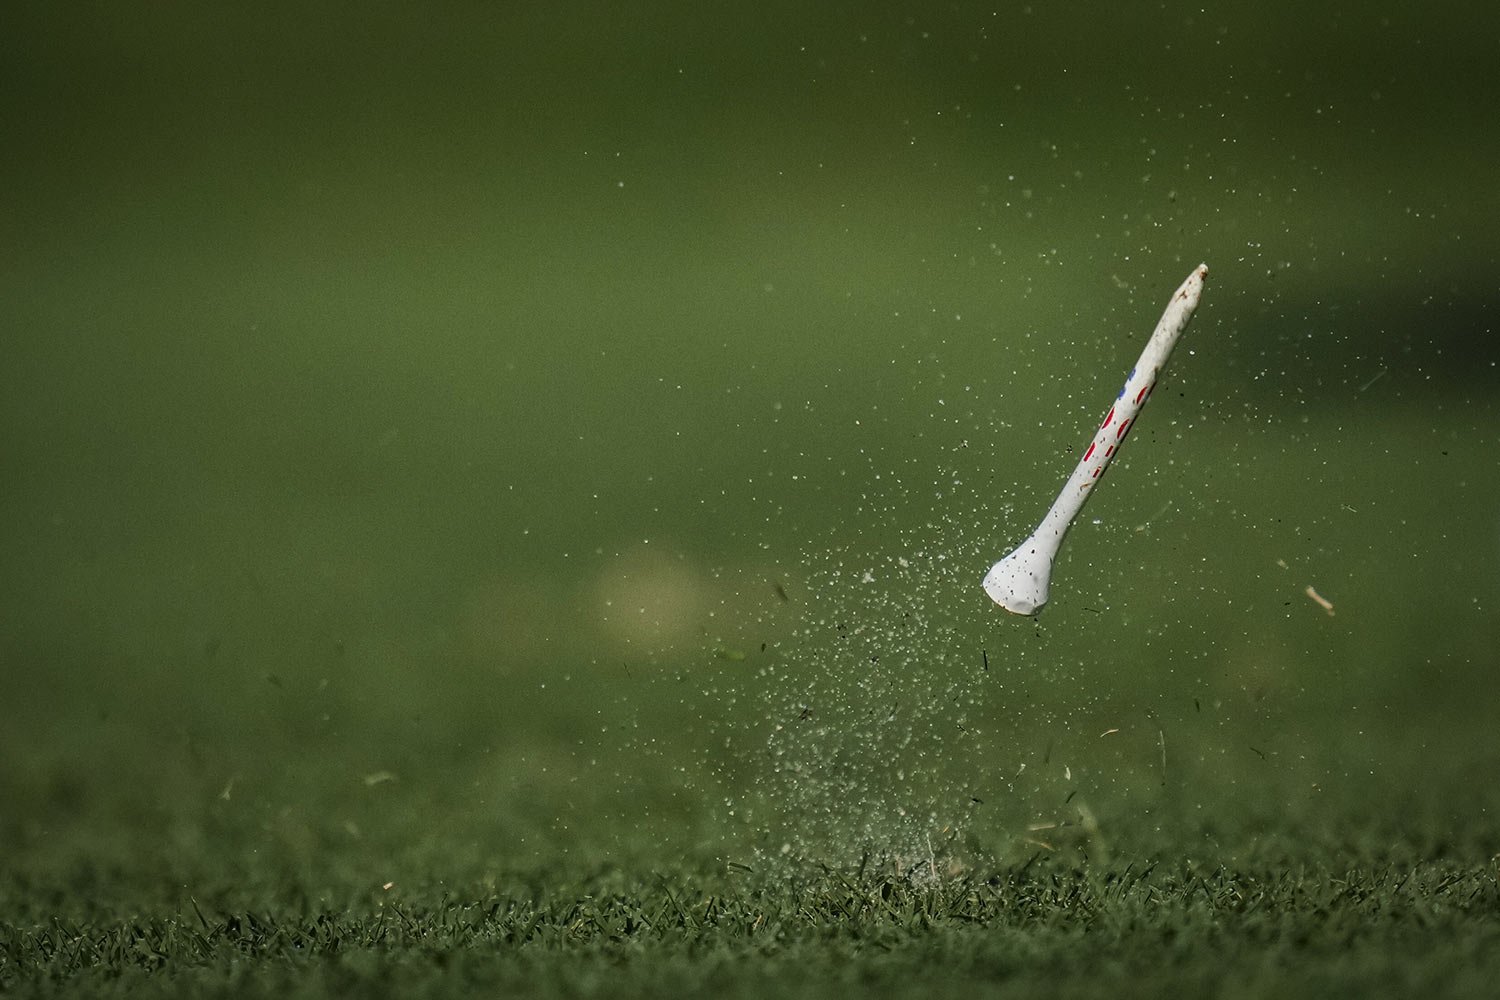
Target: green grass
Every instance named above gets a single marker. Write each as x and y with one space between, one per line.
1139 929
347 398
1323 821
1234 794
324 884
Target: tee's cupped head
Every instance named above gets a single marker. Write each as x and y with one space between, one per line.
1019 582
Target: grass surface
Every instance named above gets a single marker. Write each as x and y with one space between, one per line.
1281 803
1040 927
494 500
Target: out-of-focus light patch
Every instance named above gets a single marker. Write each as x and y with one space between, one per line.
650 599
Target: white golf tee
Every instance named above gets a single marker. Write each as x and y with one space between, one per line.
1019 583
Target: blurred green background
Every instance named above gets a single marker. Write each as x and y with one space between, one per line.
523 431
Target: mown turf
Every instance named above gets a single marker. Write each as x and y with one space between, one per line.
361 360
1296 874
1137 930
